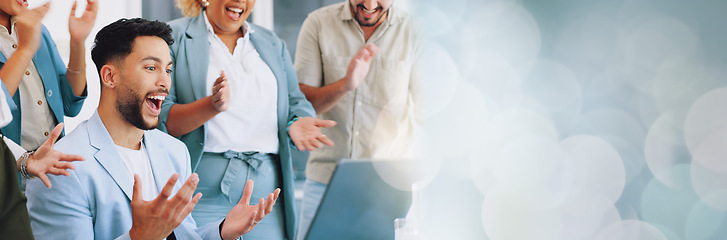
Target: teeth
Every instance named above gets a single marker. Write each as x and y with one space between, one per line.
237 10
371 11
160 98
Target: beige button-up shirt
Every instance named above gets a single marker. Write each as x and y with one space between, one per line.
37 118
377 119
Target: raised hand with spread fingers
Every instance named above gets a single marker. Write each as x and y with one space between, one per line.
244 217
45 160
156 219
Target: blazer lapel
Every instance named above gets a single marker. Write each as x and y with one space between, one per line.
44 64
108 156
267 51
197 49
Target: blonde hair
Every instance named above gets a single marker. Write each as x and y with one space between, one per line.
190 8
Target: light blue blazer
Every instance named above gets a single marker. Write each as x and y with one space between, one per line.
94 201
58 91
191 52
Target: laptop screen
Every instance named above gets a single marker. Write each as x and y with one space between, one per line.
359 203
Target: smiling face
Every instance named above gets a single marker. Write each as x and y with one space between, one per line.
227 16
370 13
144 82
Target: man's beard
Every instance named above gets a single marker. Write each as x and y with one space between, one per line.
129 103
361 20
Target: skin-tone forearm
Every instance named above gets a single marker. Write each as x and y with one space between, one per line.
184 118
13 70
79 28
28 30
76 73
324 98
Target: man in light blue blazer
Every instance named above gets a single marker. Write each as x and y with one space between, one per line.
99 200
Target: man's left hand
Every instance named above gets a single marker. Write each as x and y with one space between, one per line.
244 217
306 133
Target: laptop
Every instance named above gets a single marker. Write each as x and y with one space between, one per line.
361 204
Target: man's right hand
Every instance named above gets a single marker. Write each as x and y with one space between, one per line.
157 219
28 27
358 68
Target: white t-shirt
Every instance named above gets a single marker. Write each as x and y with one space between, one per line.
137 162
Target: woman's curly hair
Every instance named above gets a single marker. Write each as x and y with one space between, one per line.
190 8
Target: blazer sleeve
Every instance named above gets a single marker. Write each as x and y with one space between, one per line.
171 98
61 212
299 105
72 104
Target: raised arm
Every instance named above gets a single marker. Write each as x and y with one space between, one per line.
28 28
79 28
184 118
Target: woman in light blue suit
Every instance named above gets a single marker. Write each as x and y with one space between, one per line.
236 104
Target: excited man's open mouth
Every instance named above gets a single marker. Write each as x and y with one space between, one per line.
154 102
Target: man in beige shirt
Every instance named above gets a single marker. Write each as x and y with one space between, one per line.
354 62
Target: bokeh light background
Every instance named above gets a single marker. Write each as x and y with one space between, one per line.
565 119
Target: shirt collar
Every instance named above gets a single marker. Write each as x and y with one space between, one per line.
13 19
211 30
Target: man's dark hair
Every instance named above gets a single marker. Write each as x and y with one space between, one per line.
114 41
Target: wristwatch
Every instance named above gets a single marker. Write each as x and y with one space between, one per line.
24 165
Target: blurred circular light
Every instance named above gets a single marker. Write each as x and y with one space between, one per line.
510 32
703 222
657 197
710 186
664 148
706 115
597 166
652 43
517 213
630 230
504 128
